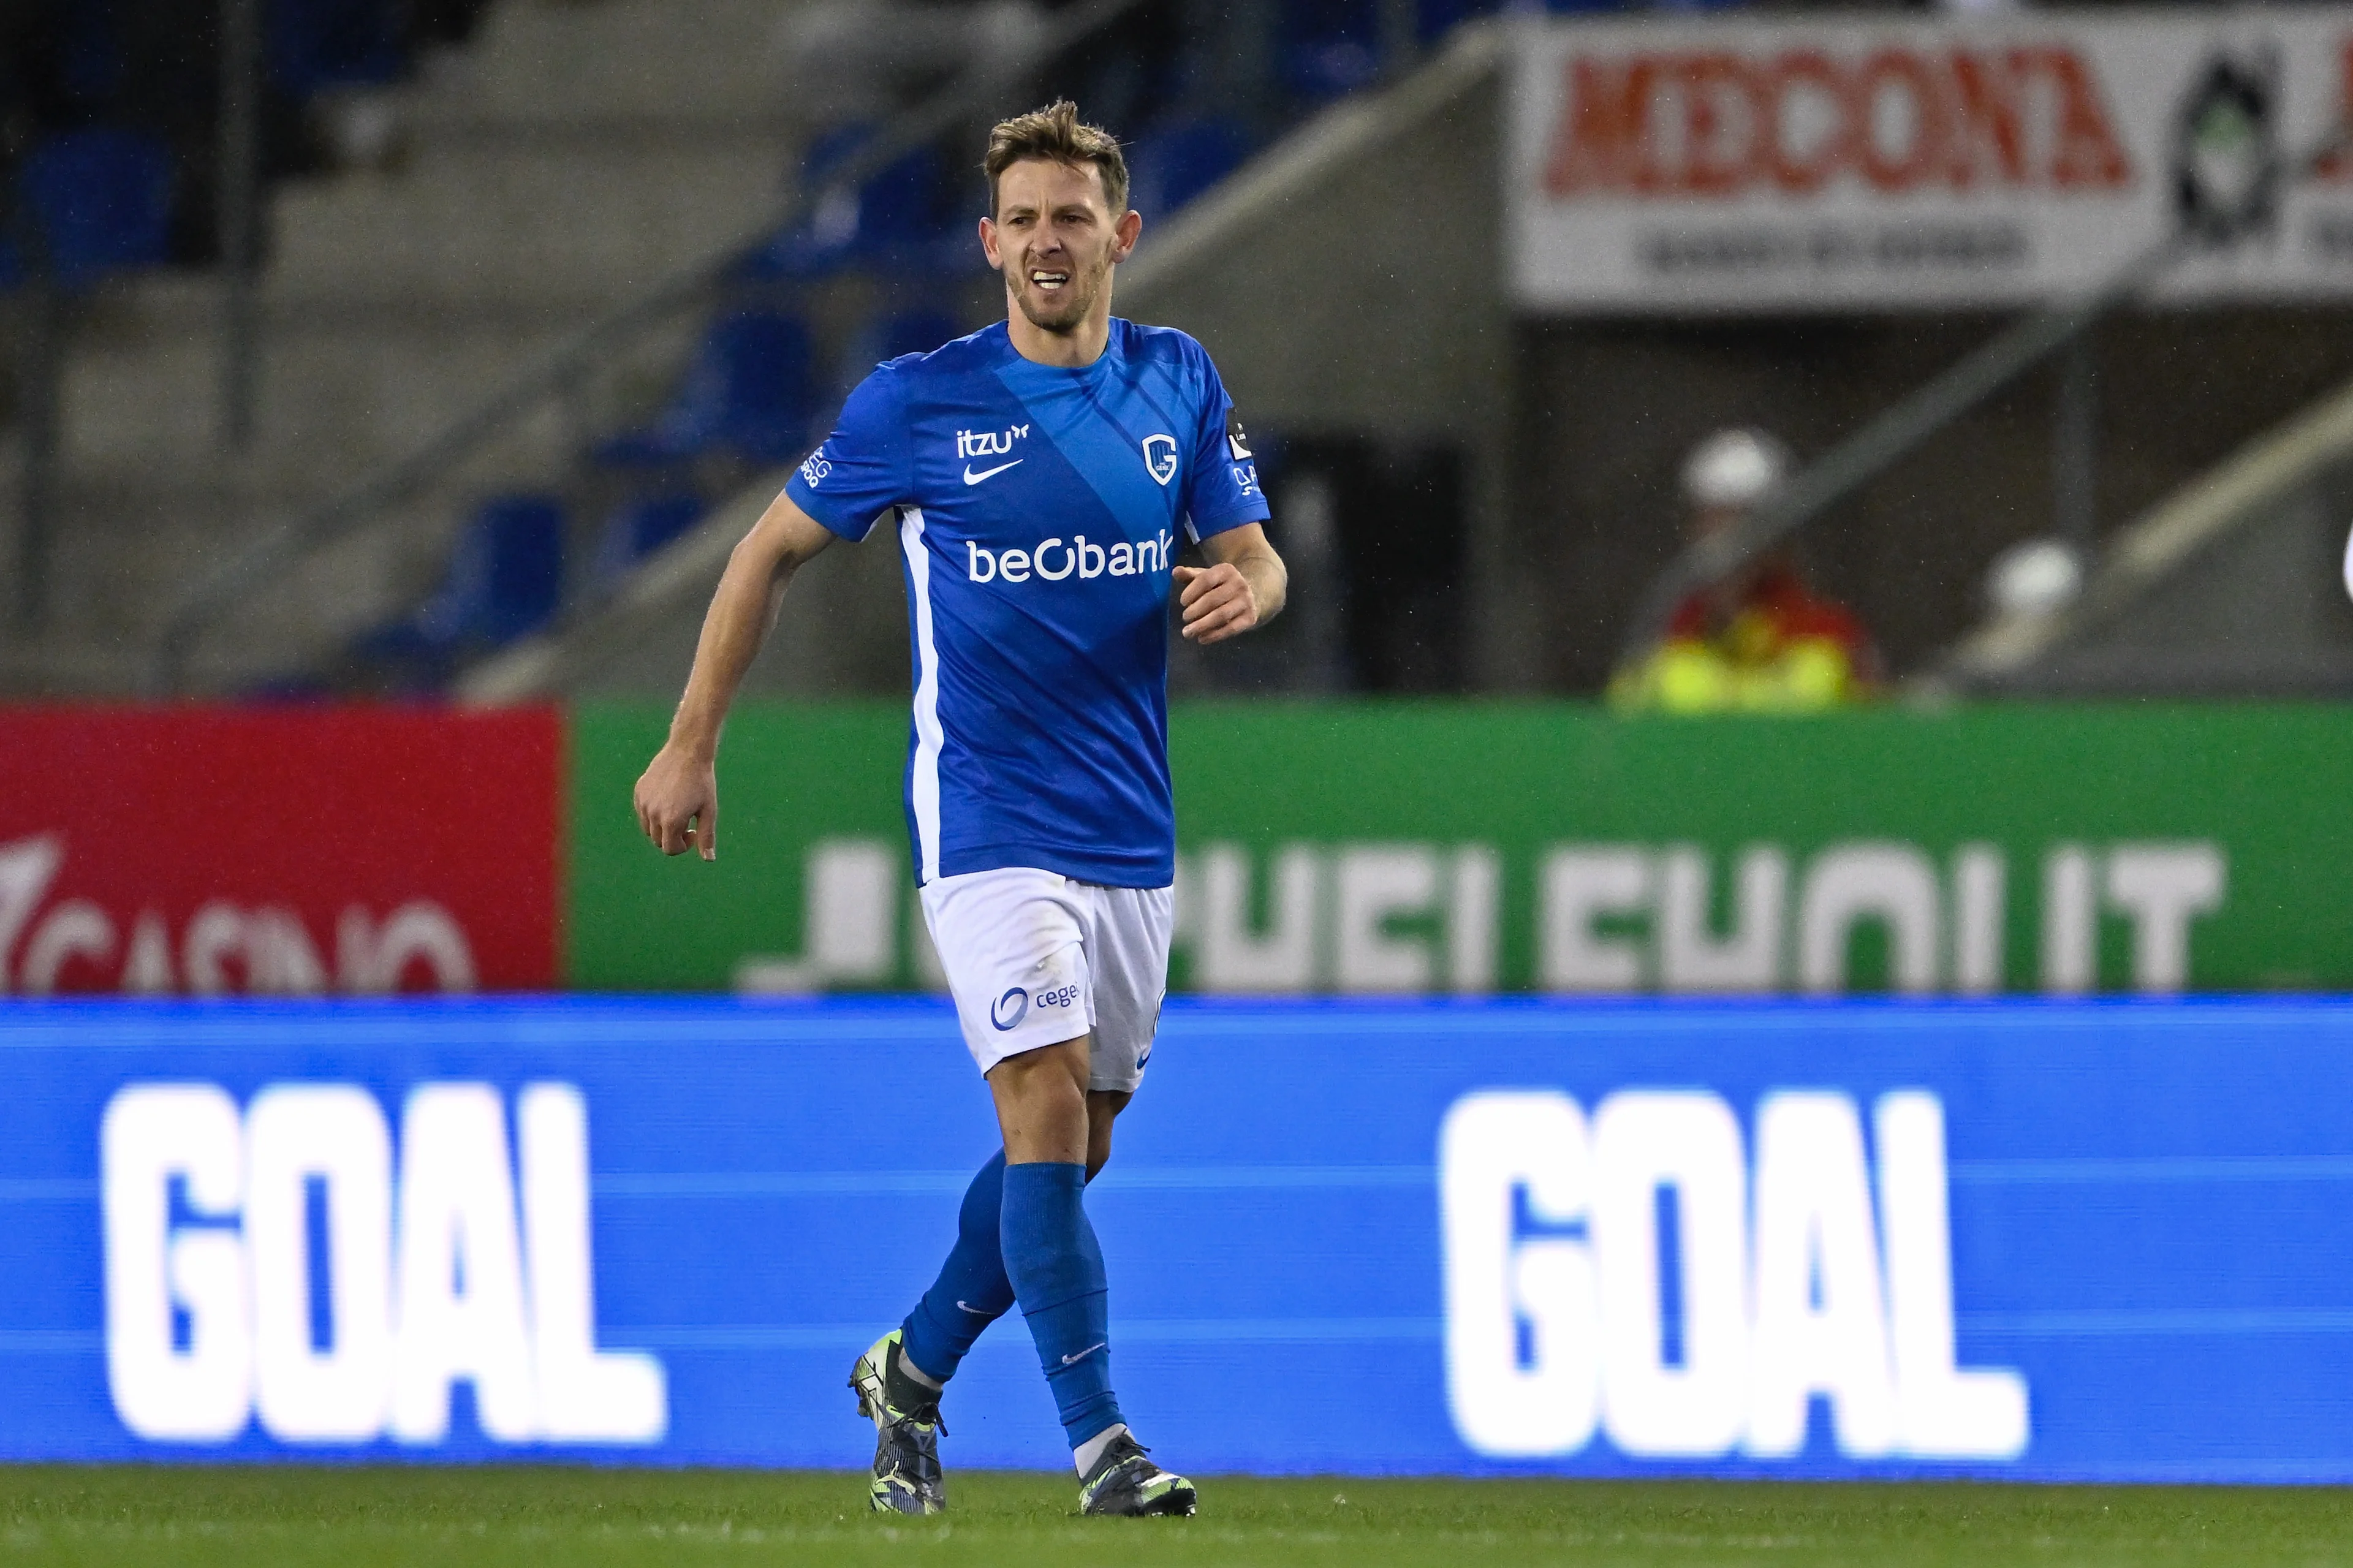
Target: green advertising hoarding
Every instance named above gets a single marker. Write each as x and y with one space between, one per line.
1431 847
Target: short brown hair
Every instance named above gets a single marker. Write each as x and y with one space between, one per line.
1055 134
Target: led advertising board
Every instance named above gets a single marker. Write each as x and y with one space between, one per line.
2091 1240
290 850
1369 848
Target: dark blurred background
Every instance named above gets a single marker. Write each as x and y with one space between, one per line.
363 346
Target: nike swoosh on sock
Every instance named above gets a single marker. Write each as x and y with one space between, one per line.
1074 1360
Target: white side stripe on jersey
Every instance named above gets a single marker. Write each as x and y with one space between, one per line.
924 789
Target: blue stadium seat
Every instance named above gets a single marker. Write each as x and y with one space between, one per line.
1439 18
750 391
894 221
887 337
316 44
640 526
1170 166
101 200
1324 49
506 575
504 581
1328 47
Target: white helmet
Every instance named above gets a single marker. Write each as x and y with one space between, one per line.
1735 467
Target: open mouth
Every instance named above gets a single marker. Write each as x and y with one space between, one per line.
1046 282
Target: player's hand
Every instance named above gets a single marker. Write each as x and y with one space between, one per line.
1218 601
678 803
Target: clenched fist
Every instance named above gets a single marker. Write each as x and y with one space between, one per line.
1218 602
678 803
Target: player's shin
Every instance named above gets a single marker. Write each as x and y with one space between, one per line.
1056 1270
972 1291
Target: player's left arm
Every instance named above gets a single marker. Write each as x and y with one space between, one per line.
1244 586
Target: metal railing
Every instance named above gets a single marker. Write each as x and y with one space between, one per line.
2301 468
554 377
1912 420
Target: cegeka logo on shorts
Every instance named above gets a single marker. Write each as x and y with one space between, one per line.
233 1238
1052 560
1642 1274
1007 1011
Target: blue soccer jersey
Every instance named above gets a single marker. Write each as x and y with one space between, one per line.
1039 511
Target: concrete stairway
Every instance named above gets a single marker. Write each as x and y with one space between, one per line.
571 156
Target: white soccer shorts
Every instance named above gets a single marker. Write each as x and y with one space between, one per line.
1034 958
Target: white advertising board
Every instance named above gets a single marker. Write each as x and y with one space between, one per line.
1836 162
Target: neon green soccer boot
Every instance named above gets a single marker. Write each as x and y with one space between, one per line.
1123 1482
907 1478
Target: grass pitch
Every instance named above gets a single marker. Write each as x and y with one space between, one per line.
356 1518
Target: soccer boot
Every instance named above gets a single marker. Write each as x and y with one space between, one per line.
907 1477
1124 1483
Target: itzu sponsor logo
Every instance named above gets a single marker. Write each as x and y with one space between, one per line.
1054 560
279 1264
973 444
1642 1275
989 443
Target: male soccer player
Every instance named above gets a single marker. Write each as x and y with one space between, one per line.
1042 475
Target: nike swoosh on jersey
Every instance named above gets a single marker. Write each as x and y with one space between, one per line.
1074 1360
972 479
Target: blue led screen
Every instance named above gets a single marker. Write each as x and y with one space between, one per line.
2061 1241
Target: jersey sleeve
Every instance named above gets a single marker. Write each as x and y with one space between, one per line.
1223 491
861 470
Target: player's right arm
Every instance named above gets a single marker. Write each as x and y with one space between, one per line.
677 796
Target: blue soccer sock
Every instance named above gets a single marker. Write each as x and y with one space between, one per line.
1056 1270
972 1291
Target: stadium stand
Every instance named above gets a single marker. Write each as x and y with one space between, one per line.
885 263
595 164
1545 549
636 529
504 580
2229 587
563 161
749 392
1291 335
1171 165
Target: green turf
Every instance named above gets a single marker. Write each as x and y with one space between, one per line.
356 1518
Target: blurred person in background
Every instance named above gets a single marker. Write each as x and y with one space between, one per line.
1762 640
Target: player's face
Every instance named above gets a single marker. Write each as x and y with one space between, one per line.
1055 239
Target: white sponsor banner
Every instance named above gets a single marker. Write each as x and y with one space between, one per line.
1842 163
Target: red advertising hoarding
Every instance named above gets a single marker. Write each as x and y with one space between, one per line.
285 851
